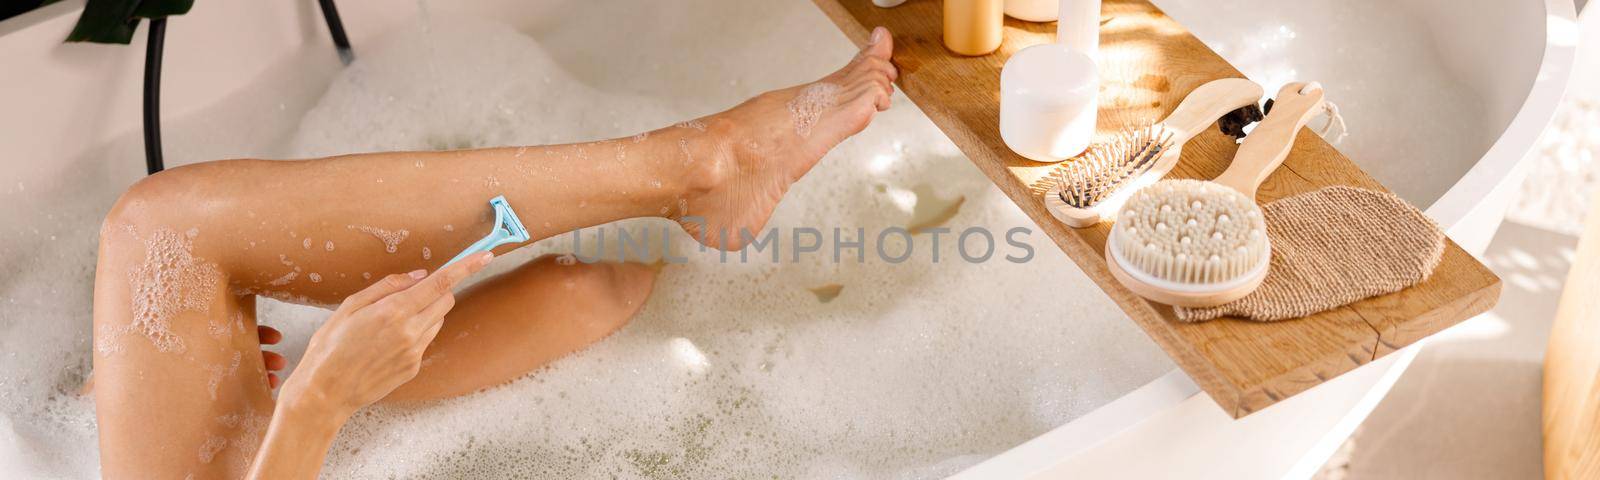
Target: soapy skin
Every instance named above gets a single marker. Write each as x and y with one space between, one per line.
253 219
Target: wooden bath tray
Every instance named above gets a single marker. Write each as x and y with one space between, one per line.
1150 62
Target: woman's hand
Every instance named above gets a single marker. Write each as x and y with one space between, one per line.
374 342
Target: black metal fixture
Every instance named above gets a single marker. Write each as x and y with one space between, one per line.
152 96
152 78
336 29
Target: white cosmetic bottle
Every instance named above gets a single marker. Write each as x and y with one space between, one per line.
1032 10
1047 92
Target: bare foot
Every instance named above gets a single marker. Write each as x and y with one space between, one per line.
770 141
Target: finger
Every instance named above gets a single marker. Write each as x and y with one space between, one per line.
384 287
441 283
274 361
273 381
268 335
431 318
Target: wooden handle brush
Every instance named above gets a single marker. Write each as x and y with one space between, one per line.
1102 178
1192 243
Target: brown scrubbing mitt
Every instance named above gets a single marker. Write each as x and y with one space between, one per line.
1332 247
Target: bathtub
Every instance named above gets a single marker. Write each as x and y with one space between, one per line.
74 126
1515 76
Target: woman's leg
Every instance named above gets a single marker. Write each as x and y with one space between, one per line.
320 230
180 388
506 326
180 384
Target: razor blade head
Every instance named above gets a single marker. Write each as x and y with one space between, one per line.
506 218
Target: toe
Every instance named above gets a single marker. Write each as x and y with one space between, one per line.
874 93
880 87
880 44
876 68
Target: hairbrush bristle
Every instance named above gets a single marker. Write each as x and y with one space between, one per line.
1106 167
1191 232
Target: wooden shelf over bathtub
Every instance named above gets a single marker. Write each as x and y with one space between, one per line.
1149 63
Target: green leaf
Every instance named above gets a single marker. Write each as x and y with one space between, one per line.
114 21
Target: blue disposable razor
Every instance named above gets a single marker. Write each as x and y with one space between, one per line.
507 229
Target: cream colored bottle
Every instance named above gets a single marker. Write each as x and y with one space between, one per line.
973 27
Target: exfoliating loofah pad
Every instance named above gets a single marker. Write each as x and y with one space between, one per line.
1332 247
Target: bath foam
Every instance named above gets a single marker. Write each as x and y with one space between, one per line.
216 373
249 428
683 147
289 298
171 281
213 445
621 149
218 329
48 242
807 106
391 238
222 328
293 273
738 370
411 91
1036 360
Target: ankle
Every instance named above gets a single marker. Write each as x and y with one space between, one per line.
711 157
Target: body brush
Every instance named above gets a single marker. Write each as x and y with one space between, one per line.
1192 243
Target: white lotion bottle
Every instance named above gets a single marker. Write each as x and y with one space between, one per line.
1047 92
1033 10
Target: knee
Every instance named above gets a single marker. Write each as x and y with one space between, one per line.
603 295
151 202
176 200
129 218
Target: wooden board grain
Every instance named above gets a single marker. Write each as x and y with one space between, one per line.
1148 64
1570 419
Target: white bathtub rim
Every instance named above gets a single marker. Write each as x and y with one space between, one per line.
1518 138
1037 455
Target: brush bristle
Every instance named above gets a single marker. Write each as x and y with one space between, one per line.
1191 232
1107 167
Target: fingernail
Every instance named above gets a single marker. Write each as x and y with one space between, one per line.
418 274
877 34
487 257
